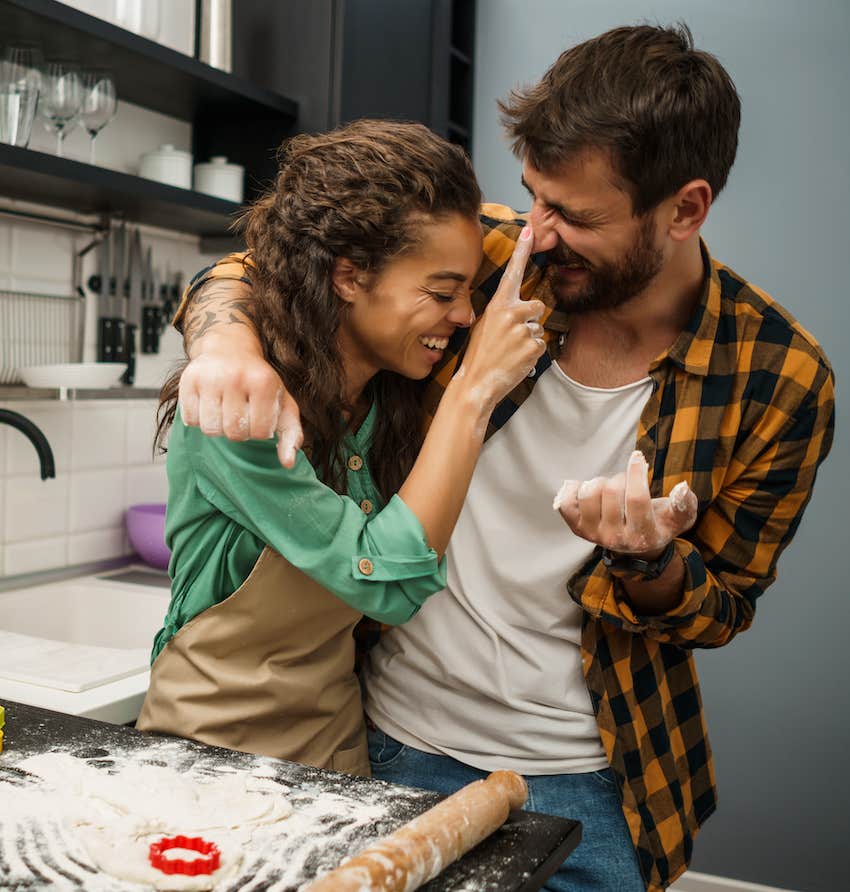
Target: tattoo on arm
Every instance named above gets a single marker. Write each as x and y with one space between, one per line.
218 302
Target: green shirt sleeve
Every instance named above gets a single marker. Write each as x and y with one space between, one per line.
325 535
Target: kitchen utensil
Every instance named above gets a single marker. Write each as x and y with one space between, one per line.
419 850
19 87
220 178
146 532
60 98
134 304
74 375
168 165
37 329
99 104
118 287
100 284
150 309
215 34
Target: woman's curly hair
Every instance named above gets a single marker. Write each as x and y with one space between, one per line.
361 192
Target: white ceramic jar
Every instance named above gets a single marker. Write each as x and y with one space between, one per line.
168 165
220 178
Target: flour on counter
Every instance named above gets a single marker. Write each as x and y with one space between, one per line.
73 823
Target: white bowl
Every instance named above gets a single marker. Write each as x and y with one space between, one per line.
82 375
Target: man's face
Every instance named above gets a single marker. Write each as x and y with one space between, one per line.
601 256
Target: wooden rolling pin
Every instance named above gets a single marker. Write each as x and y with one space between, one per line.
420 849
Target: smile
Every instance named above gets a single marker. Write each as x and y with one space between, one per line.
433 343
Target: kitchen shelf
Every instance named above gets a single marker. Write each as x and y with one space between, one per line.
10 393
146 73
61 182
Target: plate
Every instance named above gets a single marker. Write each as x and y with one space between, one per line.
81 375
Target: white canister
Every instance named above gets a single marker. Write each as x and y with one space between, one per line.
168 165
220 179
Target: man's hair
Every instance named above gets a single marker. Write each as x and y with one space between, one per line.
665 112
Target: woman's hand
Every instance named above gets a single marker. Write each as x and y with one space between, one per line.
507 341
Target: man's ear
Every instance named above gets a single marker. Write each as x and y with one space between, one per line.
345 276
689 209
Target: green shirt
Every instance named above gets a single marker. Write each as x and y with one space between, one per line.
228 500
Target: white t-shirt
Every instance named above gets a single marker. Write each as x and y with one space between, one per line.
489 671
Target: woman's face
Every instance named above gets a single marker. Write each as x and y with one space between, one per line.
402 320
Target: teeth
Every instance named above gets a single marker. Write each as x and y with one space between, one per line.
434 343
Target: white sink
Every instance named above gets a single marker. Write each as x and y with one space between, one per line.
82 645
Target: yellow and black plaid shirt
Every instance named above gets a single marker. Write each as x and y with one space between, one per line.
742 409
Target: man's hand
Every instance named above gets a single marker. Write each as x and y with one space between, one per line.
619 514
239 395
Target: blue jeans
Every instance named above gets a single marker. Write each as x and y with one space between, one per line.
605 860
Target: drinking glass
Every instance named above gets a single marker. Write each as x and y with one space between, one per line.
61 97
19 85
99 104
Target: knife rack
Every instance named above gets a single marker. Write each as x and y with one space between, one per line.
38 329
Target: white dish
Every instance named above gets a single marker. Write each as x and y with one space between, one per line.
82 375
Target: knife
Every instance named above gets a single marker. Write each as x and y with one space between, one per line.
101 283
150 320
117 292
134 305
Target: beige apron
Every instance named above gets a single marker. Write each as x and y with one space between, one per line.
269 670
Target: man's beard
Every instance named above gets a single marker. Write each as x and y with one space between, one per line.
614 284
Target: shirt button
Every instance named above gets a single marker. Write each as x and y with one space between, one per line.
366 506
365 566
355 463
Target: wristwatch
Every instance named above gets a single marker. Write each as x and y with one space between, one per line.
625 566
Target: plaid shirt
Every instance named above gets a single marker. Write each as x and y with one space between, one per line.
742 409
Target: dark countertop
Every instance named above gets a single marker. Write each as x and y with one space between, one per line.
519 857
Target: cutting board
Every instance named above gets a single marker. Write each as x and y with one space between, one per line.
66 666
519 857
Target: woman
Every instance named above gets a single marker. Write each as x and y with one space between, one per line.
362 258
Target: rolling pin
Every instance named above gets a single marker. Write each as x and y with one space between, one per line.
419 850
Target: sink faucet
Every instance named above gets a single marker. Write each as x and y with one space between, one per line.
35 436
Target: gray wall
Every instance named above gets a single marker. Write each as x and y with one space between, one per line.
776 698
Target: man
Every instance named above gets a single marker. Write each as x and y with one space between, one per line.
689 413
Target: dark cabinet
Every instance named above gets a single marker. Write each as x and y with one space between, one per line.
347 59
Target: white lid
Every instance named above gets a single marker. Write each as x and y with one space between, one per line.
168 151
218 162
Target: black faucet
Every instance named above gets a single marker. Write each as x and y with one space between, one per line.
35 436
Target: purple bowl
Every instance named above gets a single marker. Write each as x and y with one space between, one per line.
146 531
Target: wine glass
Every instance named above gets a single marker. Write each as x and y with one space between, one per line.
60 98
99 104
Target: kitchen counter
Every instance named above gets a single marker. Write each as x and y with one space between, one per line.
519 857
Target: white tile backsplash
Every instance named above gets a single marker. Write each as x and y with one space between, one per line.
54 421
35 508
98 545
146 485
40 251
99 435
141 427
35 555
97 499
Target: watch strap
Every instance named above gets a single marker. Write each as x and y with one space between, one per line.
626 566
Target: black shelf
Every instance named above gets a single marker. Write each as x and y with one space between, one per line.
146 73
36 176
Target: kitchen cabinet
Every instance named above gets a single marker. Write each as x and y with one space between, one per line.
347 59
229 115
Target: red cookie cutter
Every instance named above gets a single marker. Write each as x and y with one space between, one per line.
209 861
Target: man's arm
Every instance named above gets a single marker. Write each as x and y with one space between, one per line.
722 565
228 388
